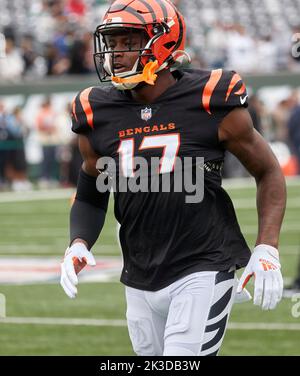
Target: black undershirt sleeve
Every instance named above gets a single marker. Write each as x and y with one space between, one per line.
88 212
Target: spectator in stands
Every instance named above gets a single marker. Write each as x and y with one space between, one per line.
66 138
48 138
282 41
4 136
79 54
62 39
216 41
76 7
45 24
88 41
57 8
281 116
28 53
241 51
12 65
16 160
34 64
56 64
266 55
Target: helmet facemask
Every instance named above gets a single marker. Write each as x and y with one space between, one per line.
105 53
145 66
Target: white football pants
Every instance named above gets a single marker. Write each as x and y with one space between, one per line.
187 318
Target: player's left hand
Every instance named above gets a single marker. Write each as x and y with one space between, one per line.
264 264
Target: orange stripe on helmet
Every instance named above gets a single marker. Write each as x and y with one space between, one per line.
162 6
84 100
149 8
119 5
235 79
127 13
210 87
135 14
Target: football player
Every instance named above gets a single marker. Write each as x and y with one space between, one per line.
180 258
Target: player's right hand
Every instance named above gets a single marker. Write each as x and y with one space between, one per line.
76 258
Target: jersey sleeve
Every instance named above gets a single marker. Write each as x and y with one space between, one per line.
224 91
233 91
82 113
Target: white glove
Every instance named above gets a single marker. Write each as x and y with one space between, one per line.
76 258
242 296
265 266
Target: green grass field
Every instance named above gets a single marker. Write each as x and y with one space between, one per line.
40 228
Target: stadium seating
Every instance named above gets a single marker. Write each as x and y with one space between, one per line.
258 16
24 15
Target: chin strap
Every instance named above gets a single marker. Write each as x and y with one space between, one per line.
147 76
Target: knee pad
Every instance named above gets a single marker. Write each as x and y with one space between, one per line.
142 336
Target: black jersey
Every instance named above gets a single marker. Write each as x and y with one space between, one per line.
162 237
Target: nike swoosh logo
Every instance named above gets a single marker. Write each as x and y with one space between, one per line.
243 100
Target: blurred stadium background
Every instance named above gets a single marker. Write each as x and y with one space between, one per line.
45 58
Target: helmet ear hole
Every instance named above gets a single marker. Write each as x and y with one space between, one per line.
169 45
158 29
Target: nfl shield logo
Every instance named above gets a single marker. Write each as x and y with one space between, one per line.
146 114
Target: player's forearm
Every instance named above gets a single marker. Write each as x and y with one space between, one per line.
88 211
271 203
86 223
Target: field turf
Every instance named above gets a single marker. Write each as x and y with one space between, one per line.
40 228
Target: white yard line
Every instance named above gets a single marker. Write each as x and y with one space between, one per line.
55 194
61 321
239 203
246 203
248 183
286 228
263 326
122 323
